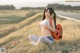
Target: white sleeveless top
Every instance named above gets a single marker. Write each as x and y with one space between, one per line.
47 22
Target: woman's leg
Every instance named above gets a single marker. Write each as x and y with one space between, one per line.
36 40
33 37
44 39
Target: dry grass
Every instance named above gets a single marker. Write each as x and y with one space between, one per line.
18 42
8 28
71 29
21 30
21 13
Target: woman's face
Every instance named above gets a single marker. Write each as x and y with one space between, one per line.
47 14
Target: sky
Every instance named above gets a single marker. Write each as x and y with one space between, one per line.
36 3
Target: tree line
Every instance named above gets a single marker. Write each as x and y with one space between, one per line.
63 7
34 8
7 7
54 6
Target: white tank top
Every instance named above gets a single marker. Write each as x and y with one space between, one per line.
47 22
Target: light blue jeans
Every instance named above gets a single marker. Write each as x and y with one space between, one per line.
50 38
36 39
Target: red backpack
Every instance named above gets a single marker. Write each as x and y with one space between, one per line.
57 34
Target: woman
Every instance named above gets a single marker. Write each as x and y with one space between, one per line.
45 28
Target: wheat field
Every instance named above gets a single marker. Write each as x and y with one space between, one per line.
14 37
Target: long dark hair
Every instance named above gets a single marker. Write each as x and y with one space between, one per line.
51 11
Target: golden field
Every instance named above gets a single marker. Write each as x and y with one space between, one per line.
14 36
